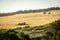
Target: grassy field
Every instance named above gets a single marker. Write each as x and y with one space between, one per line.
33 19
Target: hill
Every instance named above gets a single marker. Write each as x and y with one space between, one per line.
32 19
50 31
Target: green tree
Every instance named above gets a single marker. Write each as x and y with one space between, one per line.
24 36
56 26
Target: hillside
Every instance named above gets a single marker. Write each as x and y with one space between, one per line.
51 31
32 19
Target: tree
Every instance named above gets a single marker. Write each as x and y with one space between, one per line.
49 13
24 36
56 26
44 12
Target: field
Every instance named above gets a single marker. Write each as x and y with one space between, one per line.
32 19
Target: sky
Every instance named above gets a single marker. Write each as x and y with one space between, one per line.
15 5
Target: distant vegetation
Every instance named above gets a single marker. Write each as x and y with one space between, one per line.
24 23
49 31
30 11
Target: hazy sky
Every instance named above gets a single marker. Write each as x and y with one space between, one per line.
14 5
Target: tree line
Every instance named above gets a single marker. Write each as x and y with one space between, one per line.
30 11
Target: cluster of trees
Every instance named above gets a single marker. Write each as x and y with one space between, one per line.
13 35
6 14
30 11
53 32
39 10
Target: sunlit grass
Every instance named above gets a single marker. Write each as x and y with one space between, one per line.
33 19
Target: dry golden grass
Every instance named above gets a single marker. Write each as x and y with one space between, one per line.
33 19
